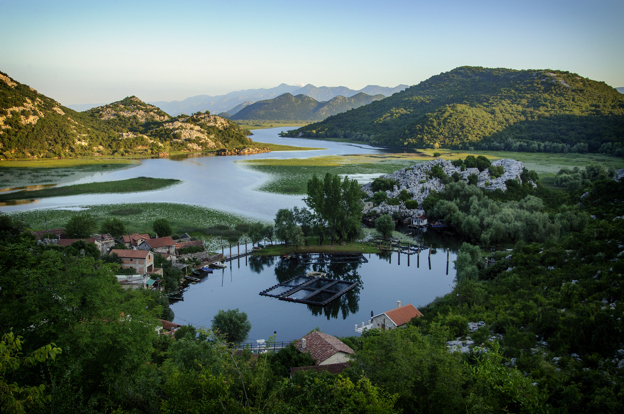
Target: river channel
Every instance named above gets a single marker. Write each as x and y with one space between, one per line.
222 183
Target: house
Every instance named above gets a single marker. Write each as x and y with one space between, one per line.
159 245
105 242
331 368
59 233
133 240
140 260
69 242
420 221
132 281
396 317
168 328
324 349
186 244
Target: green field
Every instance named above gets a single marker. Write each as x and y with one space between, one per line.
139 217
290 176
37 172
122 186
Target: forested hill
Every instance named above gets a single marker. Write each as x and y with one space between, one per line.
530 110
287 107
35 126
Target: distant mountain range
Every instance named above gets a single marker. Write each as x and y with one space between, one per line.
483 108
227 102
287 107
620 90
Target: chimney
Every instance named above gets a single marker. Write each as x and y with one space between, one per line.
303 343
398 303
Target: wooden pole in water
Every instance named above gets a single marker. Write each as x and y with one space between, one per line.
230 249
429 251
238 248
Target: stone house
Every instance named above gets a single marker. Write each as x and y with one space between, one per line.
324 349
159 245
133 240
396 317
419 221
105 242
142 261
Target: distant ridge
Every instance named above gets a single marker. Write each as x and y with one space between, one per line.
489 108
302 107
227 102
620 89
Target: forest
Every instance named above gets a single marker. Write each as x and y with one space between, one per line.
496 109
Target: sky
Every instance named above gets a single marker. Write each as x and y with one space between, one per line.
80 52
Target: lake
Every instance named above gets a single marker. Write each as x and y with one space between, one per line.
210 181
382 282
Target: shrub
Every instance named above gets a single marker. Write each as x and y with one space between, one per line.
162 227
411 204
393 202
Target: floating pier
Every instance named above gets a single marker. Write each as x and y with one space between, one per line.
309 290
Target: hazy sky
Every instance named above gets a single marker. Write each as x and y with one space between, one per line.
101 51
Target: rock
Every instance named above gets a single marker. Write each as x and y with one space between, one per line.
414 180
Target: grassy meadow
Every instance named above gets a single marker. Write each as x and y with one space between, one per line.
290 176
255 124
131 185
139 217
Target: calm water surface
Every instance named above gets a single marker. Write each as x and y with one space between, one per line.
383 281
215 182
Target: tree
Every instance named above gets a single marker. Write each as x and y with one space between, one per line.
384 225
15 398
232 324
80 226
162 227
256 232
113 226
285 225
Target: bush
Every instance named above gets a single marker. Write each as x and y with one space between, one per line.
162 227
411 204
393 202
379 197
473 179
496 171
383 184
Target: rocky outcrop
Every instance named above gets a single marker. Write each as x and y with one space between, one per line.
242 151
417 181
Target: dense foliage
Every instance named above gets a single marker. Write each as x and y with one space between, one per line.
496 109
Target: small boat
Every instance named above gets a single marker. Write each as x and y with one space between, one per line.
218 265
196 272
175 296
206 269
191 279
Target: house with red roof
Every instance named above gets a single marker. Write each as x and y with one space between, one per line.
324 349
159 245
142 261
396 317
133 240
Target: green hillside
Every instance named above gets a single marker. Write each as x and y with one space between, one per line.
35 126
481 108
287 107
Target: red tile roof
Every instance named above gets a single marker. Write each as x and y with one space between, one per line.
403 315
321 346
131 254
160 242
170 326
69 242
331 368
133 238
58 232
184 245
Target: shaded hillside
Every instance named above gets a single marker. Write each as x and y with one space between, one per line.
530 110
35 126
301 107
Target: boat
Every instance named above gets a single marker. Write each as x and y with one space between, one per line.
175 295
218 265
191 279
206 269
196 272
